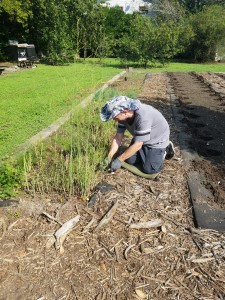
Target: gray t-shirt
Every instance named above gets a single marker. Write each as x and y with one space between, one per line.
149 126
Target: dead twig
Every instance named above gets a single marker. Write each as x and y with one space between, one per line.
51 217
3 225
107 217
149 224
127 250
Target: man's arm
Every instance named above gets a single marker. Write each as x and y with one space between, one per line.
130 151
116 142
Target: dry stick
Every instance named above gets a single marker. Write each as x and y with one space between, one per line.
51 218
149 224
74 291
208 276
127 250
121 221
107 217
97 216
117 254
91 212
87 227
3 224
175 222
109 253
196 243
140 270
153 279
116 244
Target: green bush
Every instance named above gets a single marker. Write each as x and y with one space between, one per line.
10 178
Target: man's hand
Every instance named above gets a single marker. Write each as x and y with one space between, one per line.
115 165
104 164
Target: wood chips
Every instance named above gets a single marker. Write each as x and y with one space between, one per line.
171 260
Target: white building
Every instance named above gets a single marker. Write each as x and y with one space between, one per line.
129 6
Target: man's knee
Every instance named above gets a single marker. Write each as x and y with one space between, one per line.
152 169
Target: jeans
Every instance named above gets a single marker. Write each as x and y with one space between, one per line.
150 160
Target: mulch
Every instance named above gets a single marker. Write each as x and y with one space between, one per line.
136 241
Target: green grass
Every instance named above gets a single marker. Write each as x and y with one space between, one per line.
32 99
189 67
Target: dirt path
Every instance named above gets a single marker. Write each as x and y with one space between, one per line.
170 261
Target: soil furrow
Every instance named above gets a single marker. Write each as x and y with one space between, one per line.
205 124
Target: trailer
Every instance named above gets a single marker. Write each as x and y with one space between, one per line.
24 54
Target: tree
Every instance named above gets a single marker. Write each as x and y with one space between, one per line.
118 29
86 24
167 10
208 27
48 30
18 11
150 42
13 22
194 6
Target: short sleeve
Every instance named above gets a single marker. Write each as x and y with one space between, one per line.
142 130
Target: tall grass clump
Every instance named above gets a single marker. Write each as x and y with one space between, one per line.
71 160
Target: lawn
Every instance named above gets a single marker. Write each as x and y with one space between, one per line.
190 67
32 99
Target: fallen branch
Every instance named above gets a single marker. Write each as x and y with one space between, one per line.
202 260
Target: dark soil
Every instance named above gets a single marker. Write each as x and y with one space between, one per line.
204 115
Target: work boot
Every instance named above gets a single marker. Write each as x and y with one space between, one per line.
170 151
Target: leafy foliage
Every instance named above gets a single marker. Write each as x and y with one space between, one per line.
194 6
49 30
167 10
64 30
208 27
10 178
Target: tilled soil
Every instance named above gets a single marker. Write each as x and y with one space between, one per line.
202 101
171 260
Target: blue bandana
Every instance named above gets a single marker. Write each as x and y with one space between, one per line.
116 105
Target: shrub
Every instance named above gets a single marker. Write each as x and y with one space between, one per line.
10 178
